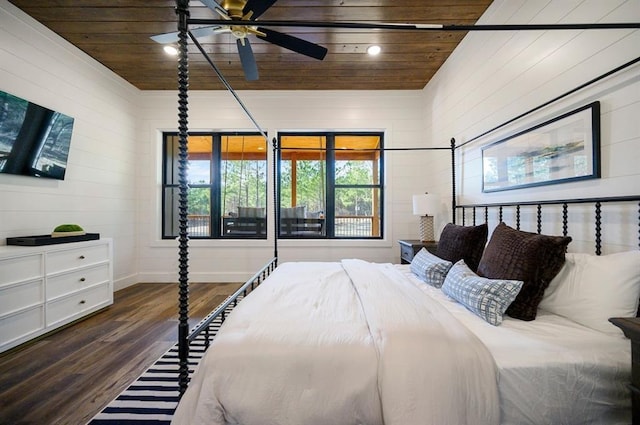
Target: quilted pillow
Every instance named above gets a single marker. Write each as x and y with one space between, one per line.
589 289
293 212
430 268
532 258
486 298
462 243
251 212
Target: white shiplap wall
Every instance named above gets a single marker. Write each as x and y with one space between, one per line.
397 113
490 78
493 77
98 191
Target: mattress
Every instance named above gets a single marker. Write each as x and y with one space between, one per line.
551 370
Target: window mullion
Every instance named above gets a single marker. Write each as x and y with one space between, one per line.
215 185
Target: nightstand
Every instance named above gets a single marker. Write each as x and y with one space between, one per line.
410 247
631 328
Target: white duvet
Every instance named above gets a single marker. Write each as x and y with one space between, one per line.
340 344
551 370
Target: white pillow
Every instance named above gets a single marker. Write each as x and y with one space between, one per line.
589 289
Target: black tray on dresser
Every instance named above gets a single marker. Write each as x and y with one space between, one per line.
48 240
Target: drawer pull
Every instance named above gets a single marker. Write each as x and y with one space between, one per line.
81 257
82 301
82 279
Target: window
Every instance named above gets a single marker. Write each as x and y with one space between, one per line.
227 176
330 185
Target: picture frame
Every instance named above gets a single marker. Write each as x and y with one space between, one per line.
561 150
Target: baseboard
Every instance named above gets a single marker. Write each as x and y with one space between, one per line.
125 282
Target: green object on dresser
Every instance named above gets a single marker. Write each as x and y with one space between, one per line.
68 228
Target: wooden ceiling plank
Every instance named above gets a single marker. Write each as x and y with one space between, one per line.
116 33
444 39
443 13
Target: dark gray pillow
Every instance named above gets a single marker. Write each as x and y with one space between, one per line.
532 258
462 243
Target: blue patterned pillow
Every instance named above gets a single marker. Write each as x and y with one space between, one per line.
430 268
486 298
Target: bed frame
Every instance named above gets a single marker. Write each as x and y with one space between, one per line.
467 213
517 207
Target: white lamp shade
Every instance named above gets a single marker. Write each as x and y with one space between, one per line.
425 204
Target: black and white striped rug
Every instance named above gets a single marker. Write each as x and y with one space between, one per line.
153 397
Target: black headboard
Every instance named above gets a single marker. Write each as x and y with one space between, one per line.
627 212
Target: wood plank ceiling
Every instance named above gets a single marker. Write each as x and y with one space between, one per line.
116 33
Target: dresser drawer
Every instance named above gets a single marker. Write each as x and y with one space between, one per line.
19 296
66 309
45 287
16 269
19 327
72 258
66 283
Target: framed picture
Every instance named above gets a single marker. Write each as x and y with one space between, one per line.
564 149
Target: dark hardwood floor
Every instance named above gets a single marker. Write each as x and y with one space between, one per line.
70 375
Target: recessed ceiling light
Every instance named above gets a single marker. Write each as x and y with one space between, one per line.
374 50
170 50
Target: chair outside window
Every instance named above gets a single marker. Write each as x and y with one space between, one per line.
330 185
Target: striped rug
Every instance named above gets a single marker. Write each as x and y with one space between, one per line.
152 398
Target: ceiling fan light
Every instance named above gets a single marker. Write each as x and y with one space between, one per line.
170 50
374 50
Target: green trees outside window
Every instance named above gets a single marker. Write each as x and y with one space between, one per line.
330 185
227 195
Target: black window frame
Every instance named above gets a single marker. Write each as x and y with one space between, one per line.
214 186
329 214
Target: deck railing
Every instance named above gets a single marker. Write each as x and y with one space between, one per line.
198 225
351 226
346 226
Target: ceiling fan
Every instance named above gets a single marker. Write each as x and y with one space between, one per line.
238 16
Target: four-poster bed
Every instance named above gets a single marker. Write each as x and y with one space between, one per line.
384 362
281 342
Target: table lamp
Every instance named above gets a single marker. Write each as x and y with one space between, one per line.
425 206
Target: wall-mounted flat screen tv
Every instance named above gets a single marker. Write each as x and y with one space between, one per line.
34 140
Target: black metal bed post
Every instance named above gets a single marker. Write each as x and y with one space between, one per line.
182 10
453 180
276 215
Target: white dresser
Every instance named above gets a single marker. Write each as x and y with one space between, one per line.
45 287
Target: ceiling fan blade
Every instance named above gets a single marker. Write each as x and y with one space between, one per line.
172 37
258 7
247 59
213 5
166 38
293 43
205 31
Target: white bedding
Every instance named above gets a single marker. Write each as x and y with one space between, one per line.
319 343
316 345
551 370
